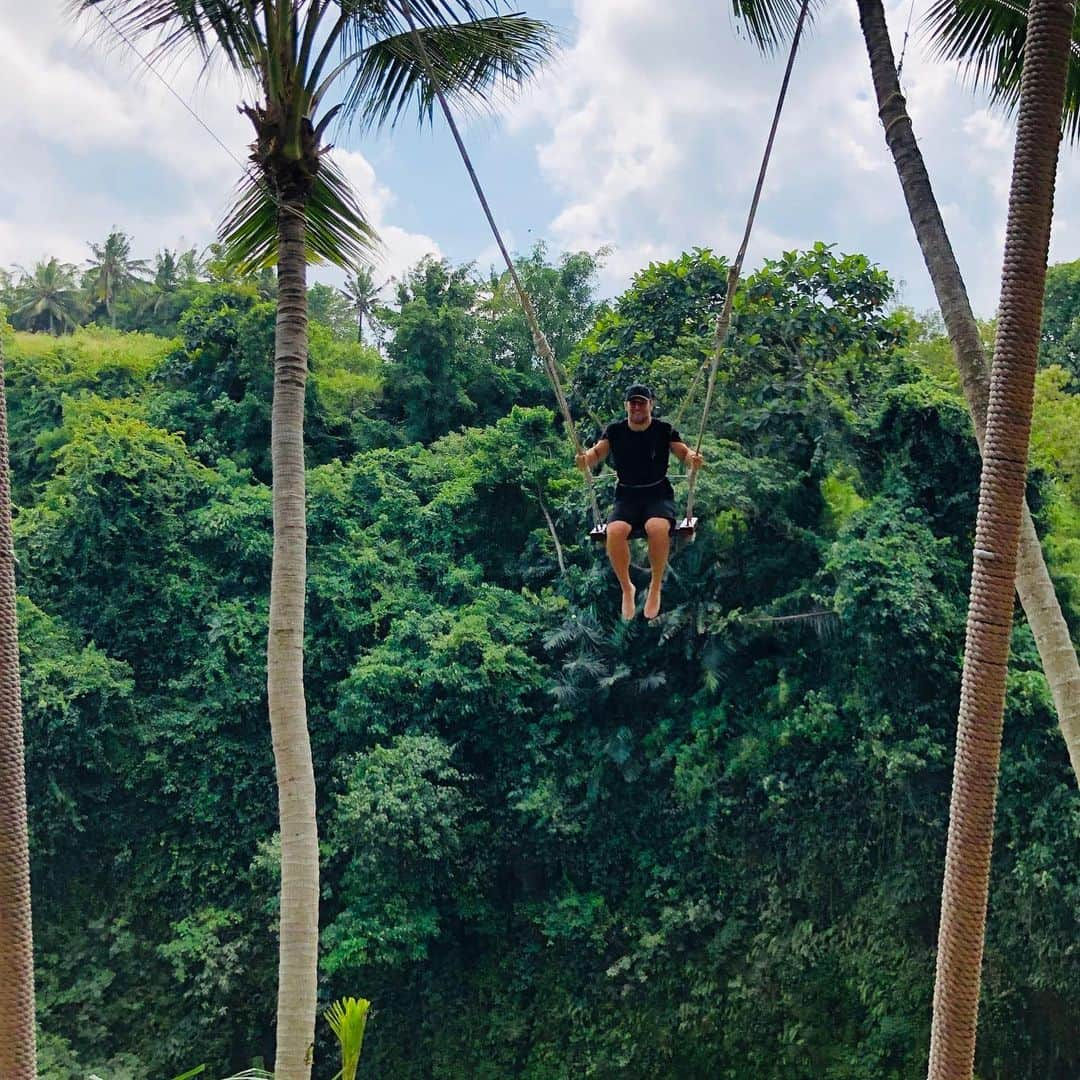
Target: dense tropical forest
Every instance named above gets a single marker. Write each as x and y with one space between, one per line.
554 844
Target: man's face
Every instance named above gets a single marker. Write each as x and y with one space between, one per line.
639 409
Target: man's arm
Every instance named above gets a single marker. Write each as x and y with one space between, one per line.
594 455
687 456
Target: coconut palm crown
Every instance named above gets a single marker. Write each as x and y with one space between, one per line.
111 270
48 297
312 62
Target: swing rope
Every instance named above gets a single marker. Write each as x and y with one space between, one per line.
540 341
723 321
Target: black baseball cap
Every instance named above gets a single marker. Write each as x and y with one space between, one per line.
638 390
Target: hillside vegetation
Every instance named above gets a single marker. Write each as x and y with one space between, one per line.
554 845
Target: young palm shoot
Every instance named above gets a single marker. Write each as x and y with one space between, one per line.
348 1020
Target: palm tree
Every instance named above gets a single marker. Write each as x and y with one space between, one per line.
189 267
152 297
166 271
361 292
48 298
294 205
997 538
112 270
17 1049
767 23
1033 583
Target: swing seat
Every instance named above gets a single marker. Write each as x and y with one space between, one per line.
686 530
599 533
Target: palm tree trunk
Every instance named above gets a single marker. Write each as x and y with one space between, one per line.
997 538
298 956
1033 583
17 1048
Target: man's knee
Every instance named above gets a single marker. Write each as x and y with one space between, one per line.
618 531
658 527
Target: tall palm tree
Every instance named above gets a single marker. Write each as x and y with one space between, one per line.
112 270
1007 548
17 1050
48 298
294 205
997 538
1033 583
361 292
768 21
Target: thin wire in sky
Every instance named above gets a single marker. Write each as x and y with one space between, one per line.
903 47
246 168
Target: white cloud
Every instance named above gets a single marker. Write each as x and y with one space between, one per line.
97 141
652 124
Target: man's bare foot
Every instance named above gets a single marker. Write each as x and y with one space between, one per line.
652 602
629 603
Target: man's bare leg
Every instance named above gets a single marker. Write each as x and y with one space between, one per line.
618 550
658 531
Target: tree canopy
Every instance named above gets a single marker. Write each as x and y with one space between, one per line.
554 845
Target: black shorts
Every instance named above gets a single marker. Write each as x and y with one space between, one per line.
637 509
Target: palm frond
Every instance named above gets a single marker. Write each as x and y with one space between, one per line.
653 681
586 665
769 23
574 629
822 623
561 636
337 230
364 23
447 12
471 61
207 26
617 676
986 37
565 693
620 746
348 1021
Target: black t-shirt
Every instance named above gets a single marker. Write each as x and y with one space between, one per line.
641 457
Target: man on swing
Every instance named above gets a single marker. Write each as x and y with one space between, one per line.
644 499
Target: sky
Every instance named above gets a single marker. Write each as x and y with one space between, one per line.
643 138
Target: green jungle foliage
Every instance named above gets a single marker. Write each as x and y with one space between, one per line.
554 845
